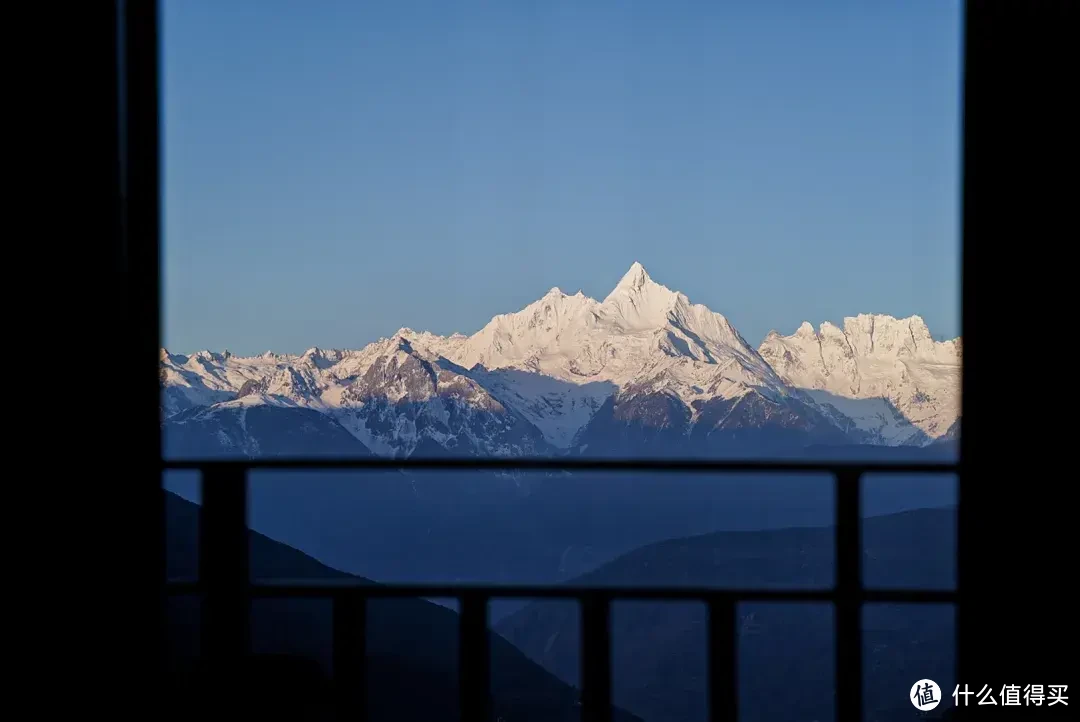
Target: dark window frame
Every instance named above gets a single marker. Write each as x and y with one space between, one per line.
223 566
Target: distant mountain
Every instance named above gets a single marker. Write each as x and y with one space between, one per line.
540 527
914 380
952 436
257 426
412 647
644 372
785 651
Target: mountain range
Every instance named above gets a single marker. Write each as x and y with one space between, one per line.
411 645
658 649
785 650
645 372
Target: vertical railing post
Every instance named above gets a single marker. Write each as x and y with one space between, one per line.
224 574
350 655
473 664
723 661
596 657
848 617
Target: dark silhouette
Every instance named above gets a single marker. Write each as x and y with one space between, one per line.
1010 87
659 664
412 645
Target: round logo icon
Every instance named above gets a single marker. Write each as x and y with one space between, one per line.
925 695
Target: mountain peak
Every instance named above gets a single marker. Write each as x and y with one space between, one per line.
637 283
639 303
633 280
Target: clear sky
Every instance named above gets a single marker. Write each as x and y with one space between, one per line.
336 170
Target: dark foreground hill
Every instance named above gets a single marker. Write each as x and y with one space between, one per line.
412 648
786 651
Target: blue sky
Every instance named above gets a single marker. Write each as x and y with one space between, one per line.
337 170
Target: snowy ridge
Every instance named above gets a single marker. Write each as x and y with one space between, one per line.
531 382
915 379
642 335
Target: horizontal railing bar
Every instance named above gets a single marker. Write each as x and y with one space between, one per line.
574 464
335 587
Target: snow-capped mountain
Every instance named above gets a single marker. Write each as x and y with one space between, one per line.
258 426
642 334
643 371
888 375
394 398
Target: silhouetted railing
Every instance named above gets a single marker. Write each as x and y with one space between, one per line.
227 589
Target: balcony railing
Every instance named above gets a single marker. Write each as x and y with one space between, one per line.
227 589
